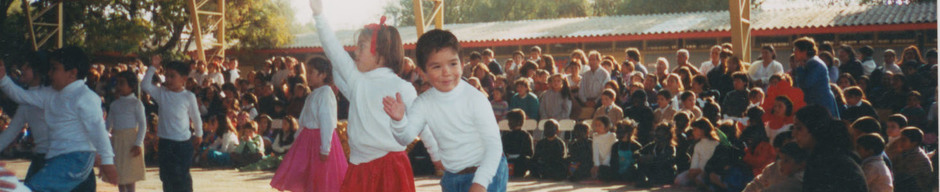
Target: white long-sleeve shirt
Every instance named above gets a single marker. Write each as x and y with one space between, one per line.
462 122
760 72
704 150
869 66
35 118
226 144
216 78
127 112
320 113
592 83
75 113
601 144
177 110
370 136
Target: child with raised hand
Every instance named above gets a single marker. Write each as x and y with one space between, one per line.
458 116
178 109
128 127
378 158
80 131
34 74
317 154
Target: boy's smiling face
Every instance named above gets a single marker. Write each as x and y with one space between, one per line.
443 69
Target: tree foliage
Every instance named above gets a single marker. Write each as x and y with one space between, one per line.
148 26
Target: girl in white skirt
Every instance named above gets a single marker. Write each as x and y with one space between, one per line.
128 126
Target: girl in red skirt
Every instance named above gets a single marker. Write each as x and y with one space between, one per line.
316 161
379 162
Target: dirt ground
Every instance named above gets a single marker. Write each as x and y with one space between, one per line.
231 180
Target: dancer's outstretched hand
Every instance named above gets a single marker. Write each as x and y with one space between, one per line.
394 107
316 6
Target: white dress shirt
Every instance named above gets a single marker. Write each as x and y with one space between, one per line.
216 78
177 110
127 112
320 113
370 136
462 122
601 144
758 71
77 118
233 75
35 118
706 67
592 83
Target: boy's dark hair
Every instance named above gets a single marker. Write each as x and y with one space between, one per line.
913 134
782 138
665 93
854 91
626 128
475 55
72 58
741 75
806 44
755 113
634 54
431 42
550 128
580 130
516 118
866 51
712 111
867 124
685 95
131 78
528 66
754 92
794 151
898 118
872 142
39 62
180 67
522 82
673 141
682 116
603 120
609 93
323 66
638 98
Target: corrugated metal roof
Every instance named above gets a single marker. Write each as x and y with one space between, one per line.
708 21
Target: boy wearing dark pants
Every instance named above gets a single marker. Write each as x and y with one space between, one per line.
178 110
74 112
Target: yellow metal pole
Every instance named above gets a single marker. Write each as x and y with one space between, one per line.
740 28
221 32
419 17
439 16
29 22
200 53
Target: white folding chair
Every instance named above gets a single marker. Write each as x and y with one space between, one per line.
565 126
504 125
542 124
530 125
588 122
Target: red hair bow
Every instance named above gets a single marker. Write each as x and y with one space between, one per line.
375 32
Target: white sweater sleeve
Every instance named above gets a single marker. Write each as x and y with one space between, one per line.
344 68
146 84
493 146
141 123
326 102
193 110
21 96
92 118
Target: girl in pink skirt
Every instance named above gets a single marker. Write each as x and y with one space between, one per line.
316 161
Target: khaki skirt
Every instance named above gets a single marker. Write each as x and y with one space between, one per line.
130 169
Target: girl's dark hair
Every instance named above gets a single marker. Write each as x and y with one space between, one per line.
794 151
131 79
549 63
829 134
758 134
287 133
827 59
898 118
626 128
755 116
72 58
770 48
388 46
730 129
712 111
848 49
786 102
323 66
604 120
580 131
39 62
707 128
782 138
638 98
701 79
565 89
685 95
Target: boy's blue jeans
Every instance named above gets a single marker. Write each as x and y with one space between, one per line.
462 182
63 172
